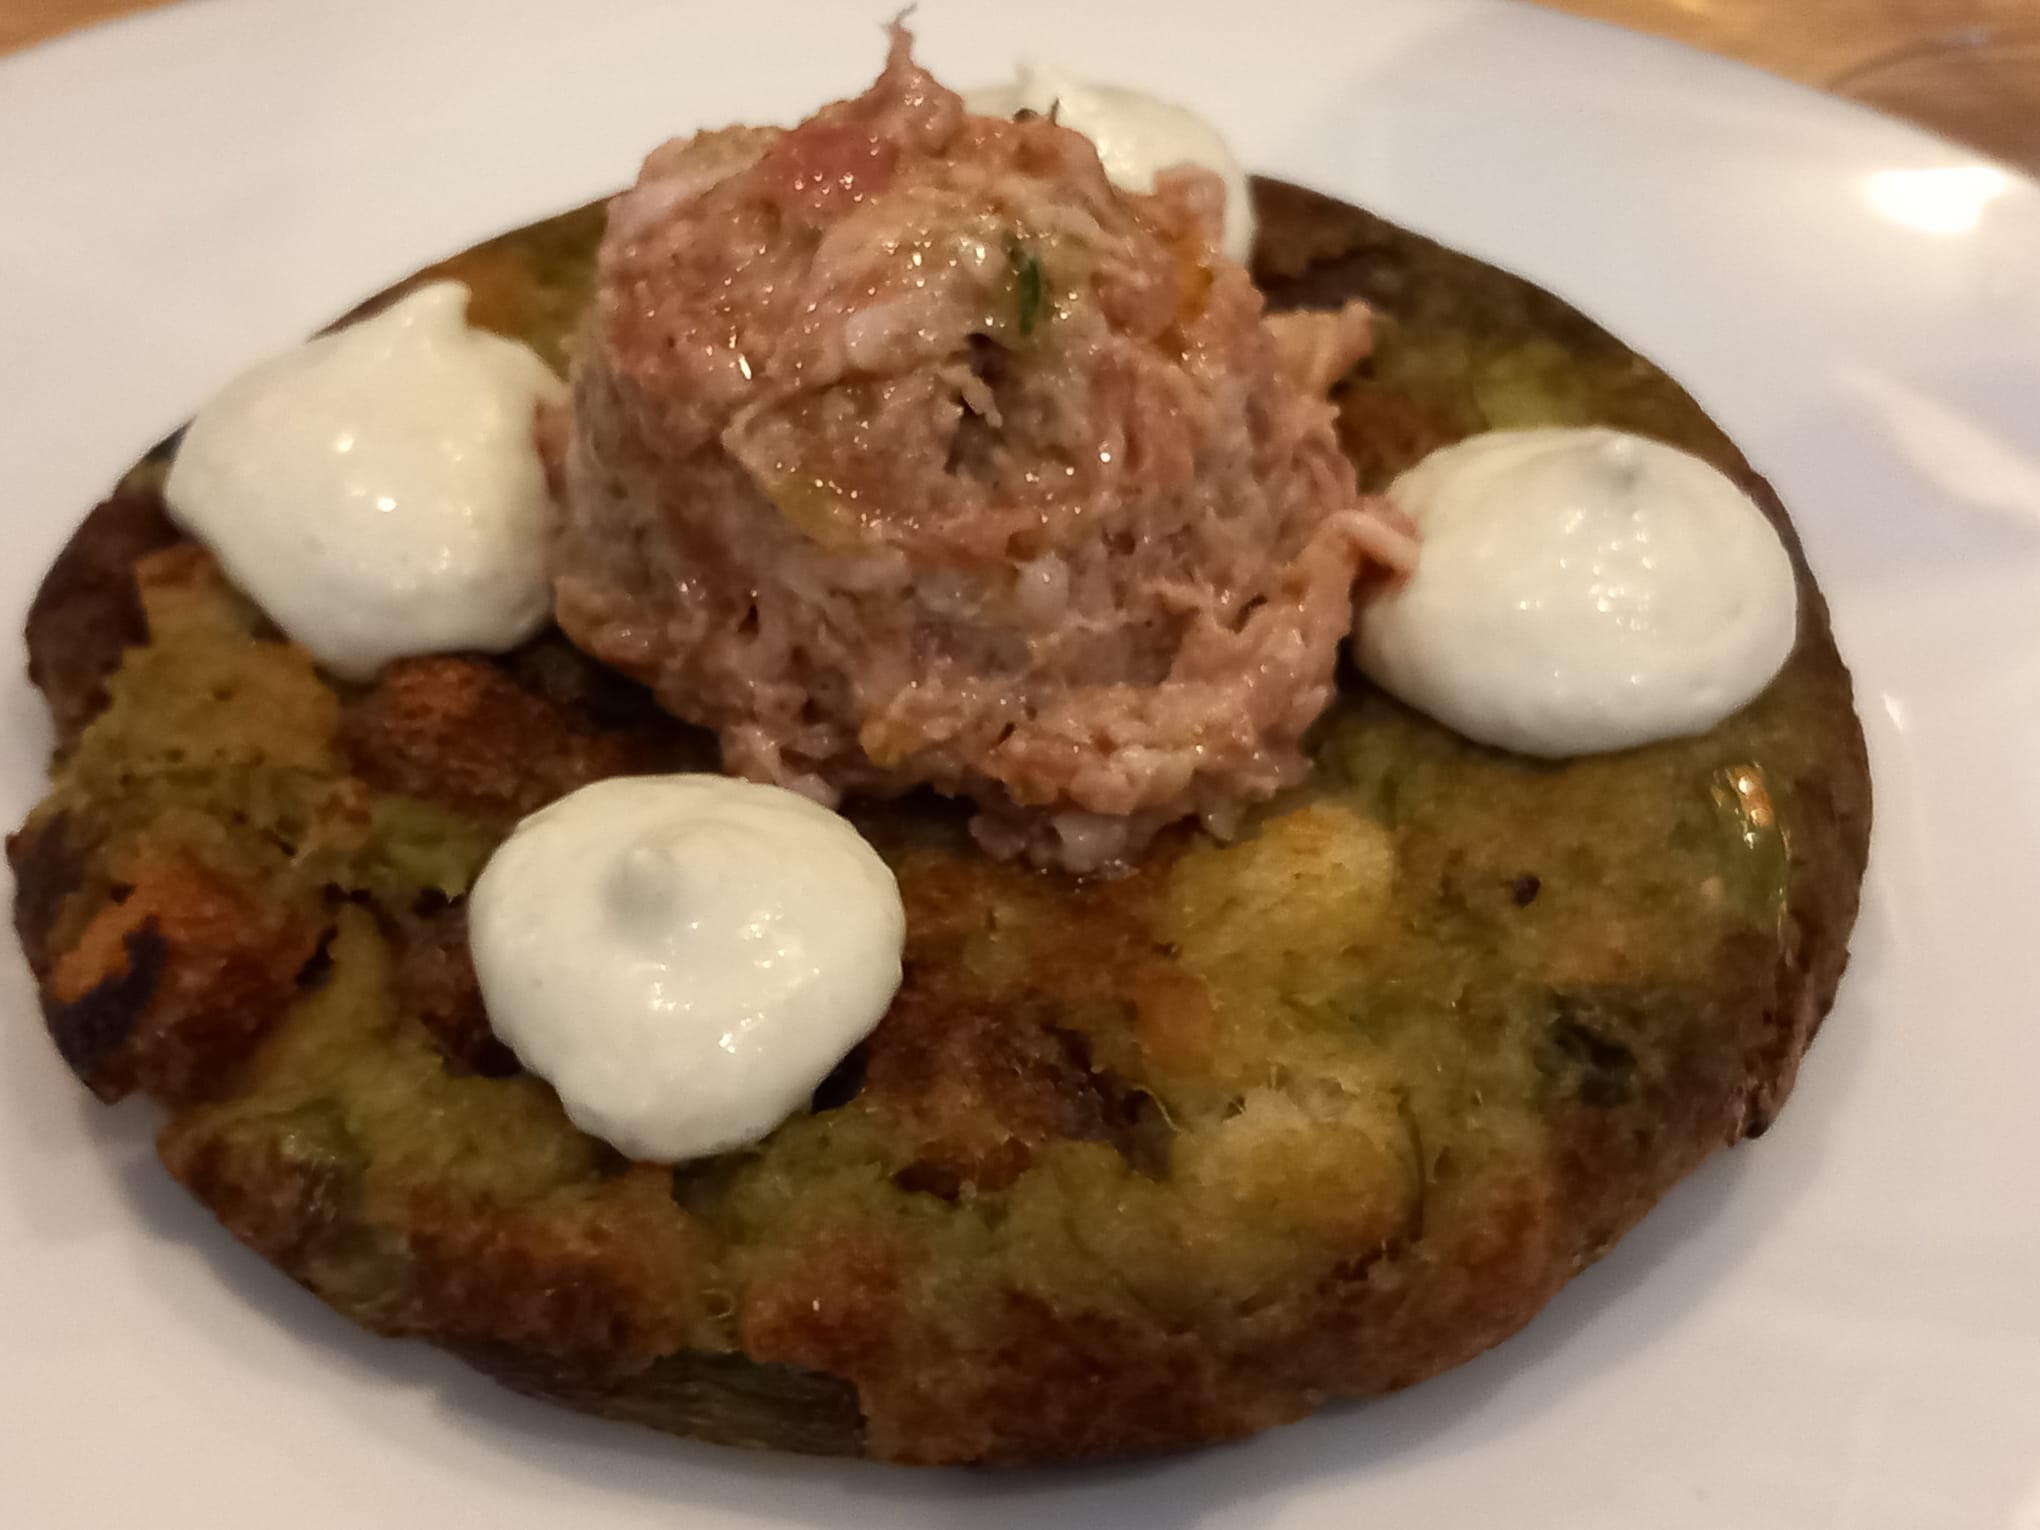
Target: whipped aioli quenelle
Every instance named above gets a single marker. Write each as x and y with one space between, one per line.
378 491
1137 135
684 958
1579 590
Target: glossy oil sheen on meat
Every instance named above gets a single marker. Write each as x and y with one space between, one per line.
909 450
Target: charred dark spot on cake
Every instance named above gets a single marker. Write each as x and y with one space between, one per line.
1352 1271
844 1083
700 1186
49 864
318 966
435 982
91 1030
1138 1127
969 1092
1524 890
1602 1068
972 1095
167 988
943 1181
593 696
1132 1119
607 1162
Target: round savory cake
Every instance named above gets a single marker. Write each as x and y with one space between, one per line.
1131 1164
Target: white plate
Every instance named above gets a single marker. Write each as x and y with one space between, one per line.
1838 1327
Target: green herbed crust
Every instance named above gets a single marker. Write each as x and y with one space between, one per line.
1130 1166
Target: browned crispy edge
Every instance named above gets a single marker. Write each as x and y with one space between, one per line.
87 612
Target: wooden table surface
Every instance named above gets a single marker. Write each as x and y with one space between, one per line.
1990 97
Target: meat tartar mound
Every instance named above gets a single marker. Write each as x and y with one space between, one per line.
907 449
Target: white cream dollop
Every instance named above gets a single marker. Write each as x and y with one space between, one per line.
378 491
1579 590
1137 135
684 958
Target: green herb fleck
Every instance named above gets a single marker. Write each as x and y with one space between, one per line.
1030 285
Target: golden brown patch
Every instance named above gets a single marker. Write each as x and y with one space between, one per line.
463 734
604 1282
183 566
972 1092
830 1301
170 987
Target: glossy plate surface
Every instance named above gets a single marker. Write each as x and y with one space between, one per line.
1838 1327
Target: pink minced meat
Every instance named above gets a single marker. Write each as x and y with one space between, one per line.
906 449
